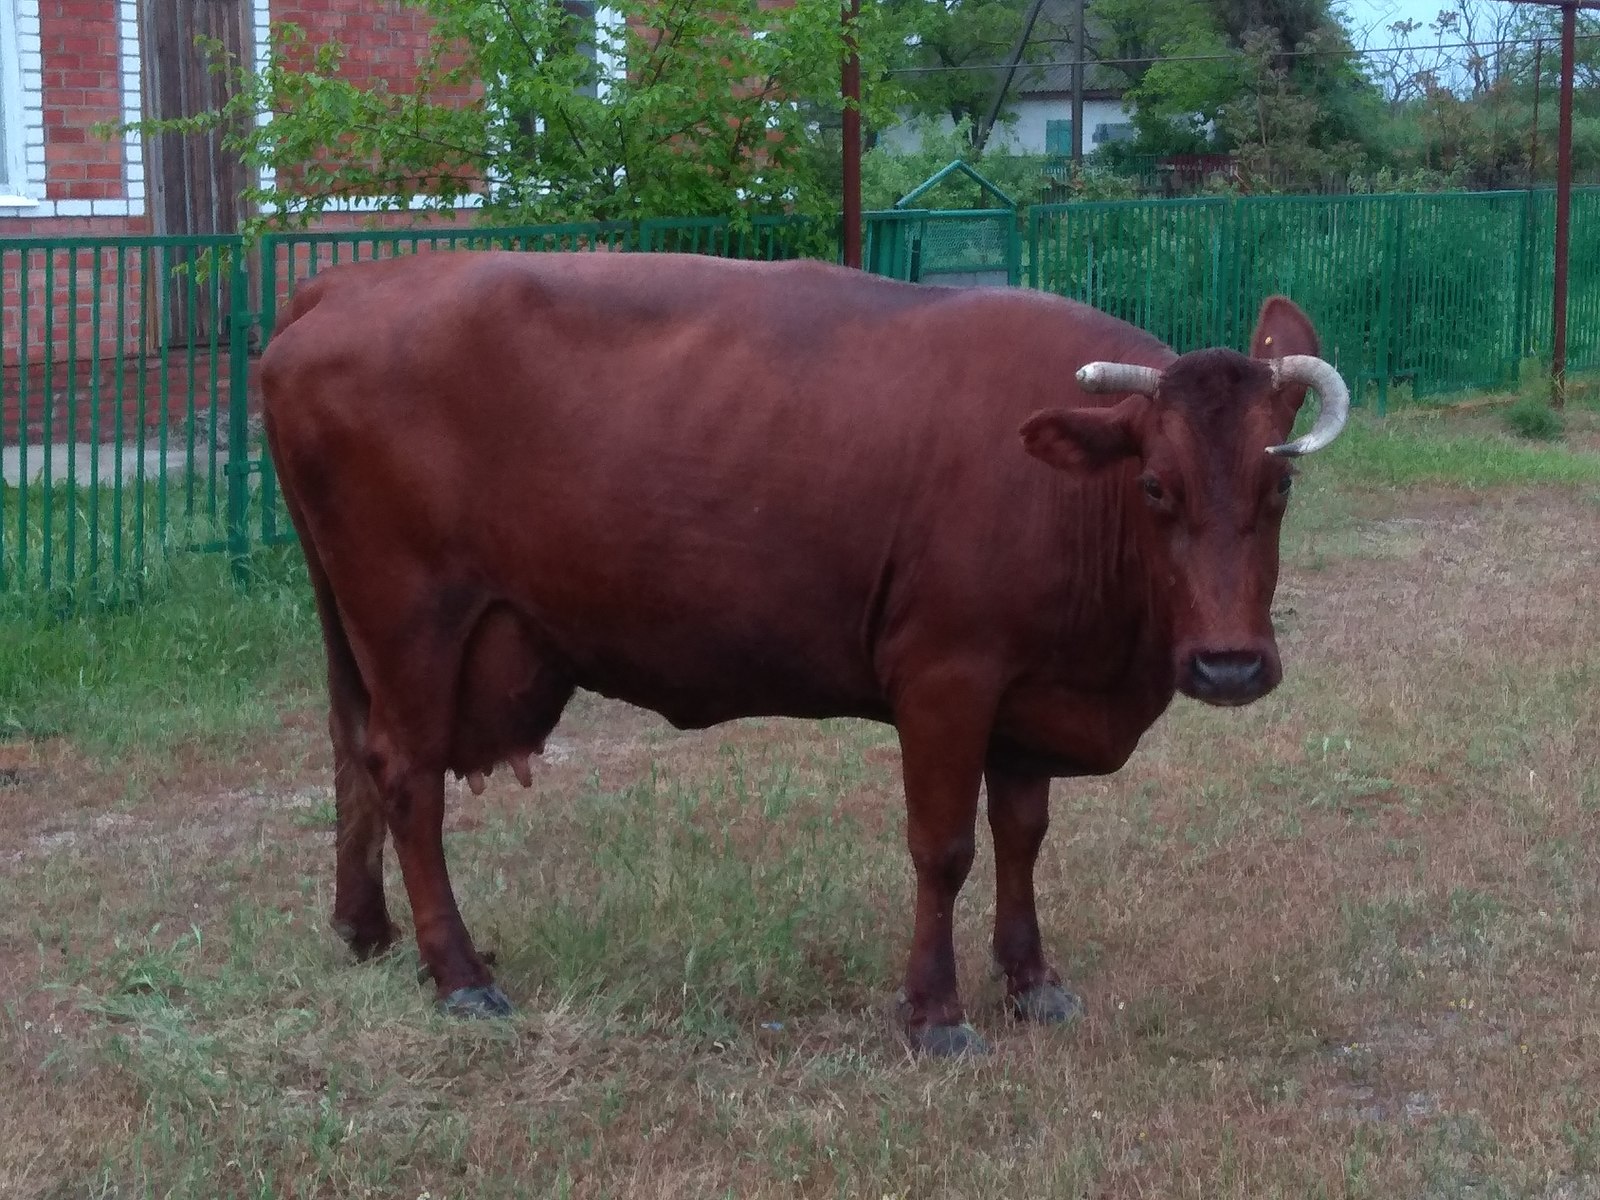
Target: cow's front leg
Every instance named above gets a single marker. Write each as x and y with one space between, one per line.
414 806
944 728
1019 816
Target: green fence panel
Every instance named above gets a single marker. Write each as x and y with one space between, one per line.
1440 293
113 394
766 237
1166 268
1583 279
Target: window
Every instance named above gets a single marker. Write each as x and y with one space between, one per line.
1116 131
13 165
1058 138
581 17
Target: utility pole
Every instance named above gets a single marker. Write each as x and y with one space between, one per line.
1558 299
1077 83
851 136
981 134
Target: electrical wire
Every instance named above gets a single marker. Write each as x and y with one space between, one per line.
1235 56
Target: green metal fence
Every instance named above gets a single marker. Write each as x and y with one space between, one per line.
126 371
1441 293
127 435
115 368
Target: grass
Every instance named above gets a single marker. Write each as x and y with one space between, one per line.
1336 944
185 657
1534 419
1428 446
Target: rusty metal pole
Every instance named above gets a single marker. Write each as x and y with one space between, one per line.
851 89
1558 340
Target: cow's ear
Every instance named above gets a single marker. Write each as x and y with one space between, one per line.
1283 329
1084 439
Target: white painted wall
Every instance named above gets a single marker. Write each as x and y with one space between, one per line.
1024 134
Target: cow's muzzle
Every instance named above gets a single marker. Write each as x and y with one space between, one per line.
1231 677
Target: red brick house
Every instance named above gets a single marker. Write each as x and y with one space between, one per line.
67 66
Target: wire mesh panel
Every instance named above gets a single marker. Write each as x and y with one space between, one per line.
968 247
113 407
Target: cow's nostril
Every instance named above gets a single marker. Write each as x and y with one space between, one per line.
1228 675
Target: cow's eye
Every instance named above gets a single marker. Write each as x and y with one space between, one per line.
1285 484
1152 487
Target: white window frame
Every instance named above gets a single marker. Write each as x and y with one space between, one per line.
21 110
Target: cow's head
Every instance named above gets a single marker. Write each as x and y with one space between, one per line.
1203 448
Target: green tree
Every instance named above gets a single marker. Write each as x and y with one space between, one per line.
1176 64
952 51
715 113
1271 79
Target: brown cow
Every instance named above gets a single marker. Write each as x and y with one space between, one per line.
718 489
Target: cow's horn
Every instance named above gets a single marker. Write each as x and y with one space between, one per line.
1118 377
1333 401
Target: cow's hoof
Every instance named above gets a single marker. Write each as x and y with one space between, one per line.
484 1001
1045 1004
948 1041
425 972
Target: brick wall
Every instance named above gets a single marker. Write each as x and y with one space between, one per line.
82 86
385 41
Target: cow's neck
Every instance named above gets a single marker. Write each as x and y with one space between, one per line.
1110 599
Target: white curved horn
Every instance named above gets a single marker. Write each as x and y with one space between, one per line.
1118 377
1333 401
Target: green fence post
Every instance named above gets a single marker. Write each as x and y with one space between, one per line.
1013 250
267 261
1389 306
240 320
1519 332
1033 247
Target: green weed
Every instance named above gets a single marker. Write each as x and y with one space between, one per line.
1534 419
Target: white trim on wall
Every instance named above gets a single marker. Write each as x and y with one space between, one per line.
132 68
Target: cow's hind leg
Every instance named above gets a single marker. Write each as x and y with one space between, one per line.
360 913
413 801
1019 816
